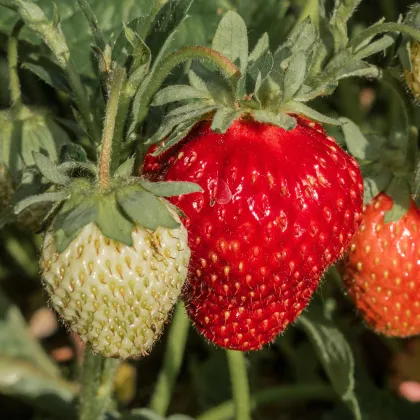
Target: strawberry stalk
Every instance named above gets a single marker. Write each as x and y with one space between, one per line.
12 54
96 385
174 353
90 378
98 372
240 386
109 147
277 395
203 54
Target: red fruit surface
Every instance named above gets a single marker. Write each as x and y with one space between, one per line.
382 270
278 208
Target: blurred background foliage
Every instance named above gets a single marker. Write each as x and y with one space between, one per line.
39 360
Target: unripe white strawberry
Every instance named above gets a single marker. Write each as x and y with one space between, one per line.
117 297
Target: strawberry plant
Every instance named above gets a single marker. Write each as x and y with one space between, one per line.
247 169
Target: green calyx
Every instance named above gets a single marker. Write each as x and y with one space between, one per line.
387 164
270 87
129 201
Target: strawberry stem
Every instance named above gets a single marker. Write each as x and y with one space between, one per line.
172 361
286 394
109 148
90 377
12 55
240 386
97 383
204 54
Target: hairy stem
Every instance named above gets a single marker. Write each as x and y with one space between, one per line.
120 123
278 395
90 379
12 57
97 383
172 361
205 54
106 387
240 386
109 149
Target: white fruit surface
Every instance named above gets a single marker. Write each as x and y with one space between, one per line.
115 297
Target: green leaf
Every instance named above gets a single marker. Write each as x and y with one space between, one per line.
268 94
223 119
170 16
79 167
93 23
41 133
343 10
17 342
303 37
177 93
126 168
80 216
62 240
142 56
279 119
23 381
49 170
294 75
40 198
260 48
400 192
357 144
231 39
50 73
334 353
76 29
122 48
359 69
261 66
303 109
185 115
178 134
111 221
170 189
145 209
73 152
375 181
375 47
196 81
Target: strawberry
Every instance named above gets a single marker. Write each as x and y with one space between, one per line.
116 297
382 269
278 208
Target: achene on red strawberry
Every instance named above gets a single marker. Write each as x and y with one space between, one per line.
382 269
278 208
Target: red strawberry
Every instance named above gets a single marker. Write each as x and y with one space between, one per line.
278 208
382 270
